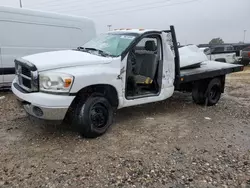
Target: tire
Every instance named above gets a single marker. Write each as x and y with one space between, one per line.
198 92
93 116
213 92
245 63
209 94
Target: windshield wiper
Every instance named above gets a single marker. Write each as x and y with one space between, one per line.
81 48
105 54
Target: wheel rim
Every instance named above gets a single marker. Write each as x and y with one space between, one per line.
214 93
99 116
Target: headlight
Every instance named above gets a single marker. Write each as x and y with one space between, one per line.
55 82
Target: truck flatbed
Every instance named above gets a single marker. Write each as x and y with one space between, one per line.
208 69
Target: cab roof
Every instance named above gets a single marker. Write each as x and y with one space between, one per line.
137 31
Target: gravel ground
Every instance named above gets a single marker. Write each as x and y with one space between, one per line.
174 143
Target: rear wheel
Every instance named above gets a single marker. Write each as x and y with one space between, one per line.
245 63
213 92
198 92
93 116
208 93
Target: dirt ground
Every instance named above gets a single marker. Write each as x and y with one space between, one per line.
174 143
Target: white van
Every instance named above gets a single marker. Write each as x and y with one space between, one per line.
24 32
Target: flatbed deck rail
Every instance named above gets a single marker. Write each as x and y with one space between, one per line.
208 69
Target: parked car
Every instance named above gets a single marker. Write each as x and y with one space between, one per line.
227 48
25 32
217 54
221 48
246 56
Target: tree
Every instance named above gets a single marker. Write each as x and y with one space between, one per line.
216 41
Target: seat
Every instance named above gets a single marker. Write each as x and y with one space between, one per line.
149 62
148 66
150 46
142 56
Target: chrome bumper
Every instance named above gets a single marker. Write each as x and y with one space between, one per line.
45 112
43 106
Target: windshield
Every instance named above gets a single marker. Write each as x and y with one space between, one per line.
207 51
112 44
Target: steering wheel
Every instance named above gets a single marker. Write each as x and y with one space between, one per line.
132 61
133 57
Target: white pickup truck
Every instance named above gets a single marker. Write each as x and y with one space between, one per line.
118 69
225 56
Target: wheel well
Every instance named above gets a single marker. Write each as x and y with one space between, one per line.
105 90
205 82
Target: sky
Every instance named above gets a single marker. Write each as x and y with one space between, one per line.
195 21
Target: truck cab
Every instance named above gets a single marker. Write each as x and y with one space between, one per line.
117 69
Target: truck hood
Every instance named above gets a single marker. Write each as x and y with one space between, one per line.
65 58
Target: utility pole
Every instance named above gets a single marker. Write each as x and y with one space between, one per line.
244 36
109 26
21 5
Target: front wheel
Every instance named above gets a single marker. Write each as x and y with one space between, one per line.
94 116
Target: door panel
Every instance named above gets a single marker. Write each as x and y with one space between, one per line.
137 101
166 79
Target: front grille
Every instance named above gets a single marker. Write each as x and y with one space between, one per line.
26 83
26 72
27 77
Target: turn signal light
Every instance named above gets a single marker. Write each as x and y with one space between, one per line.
67 82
